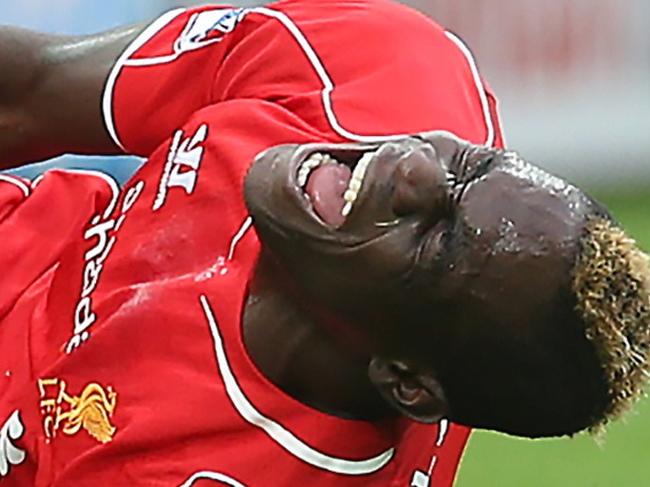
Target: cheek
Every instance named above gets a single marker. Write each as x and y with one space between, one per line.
372 267
512 288
367 276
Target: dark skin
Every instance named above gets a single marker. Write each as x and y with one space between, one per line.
50 93
418 265
366 320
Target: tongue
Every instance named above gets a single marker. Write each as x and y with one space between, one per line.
325 187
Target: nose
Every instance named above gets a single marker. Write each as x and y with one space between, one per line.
420 184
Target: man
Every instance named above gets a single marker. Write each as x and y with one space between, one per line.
403 276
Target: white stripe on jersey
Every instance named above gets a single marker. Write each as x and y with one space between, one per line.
489 124
275 430
16 182
138 42
215 476
314 60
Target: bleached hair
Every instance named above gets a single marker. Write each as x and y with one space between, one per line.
611 281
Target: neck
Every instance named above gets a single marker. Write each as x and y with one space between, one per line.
294 353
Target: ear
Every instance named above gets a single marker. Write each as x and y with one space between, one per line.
415 393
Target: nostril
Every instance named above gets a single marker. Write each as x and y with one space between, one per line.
420 186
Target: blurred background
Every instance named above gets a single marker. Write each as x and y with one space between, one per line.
573 78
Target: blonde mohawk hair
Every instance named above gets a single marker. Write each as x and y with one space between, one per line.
611 281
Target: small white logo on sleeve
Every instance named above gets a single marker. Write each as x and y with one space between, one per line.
183 162
208 27
10 454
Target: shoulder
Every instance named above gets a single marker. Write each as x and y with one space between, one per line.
61 194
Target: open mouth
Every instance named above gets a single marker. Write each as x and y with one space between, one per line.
332 181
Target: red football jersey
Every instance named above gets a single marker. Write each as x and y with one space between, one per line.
122 360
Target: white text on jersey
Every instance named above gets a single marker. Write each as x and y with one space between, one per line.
104 234
183 163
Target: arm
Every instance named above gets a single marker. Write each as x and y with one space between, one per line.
51 90
121 91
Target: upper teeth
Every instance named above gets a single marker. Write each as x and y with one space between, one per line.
356 181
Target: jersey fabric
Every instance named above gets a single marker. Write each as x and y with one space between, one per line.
122 356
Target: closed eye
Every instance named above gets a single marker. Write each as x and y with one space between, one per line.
433 244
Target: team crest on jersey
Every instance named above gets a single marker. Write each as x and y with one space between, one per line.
208 27
64 413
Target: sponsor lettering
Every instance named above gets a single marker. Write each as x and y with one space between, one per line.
103 235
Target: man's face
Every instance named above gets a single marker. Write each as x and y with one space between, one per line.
427 227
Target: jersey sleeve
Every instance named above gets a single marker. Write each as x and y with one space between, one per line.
13 191
166 74
493 107
38 220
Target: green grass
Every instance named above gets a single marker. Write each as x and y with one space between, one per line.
494 460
